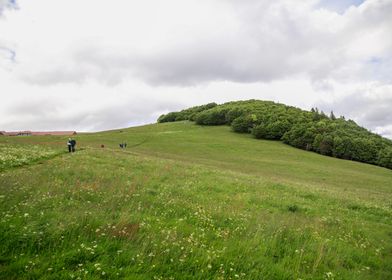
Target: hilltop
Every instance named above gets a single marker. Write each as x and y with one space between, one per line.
185 201
308 130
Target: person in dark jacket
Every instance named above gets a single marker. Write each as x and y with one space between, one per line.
69 145
73 144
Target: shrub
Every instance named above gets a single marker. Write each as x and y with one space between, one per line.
191 113
277 129
293 208
385 158
244 124
342 147
259 131
211 117
187 114
234 114
272 131
323 144
300 136
169 117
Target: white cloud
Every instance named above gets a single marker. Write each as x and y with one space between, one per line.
93 64
6 4
368 103
210 41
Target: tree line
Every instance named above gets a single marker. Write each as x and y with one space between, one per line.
309 130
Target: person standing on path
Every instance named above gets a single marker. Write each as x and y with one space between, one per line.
69 145
73 144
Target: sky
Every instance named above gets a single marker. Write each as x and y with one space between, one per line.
94 65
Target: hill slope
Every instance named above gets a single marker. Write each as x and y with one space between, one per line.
312 131
192 202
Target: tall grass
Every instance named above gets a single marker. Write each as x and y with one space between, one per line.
167 210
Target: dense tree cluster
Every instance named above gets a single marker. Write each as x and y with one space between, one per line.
309 130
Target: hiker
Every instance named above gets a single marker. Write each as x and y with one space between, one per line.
73 144
69 145
123 145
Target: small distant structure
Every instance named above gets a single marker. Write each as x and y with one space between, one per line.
57 133
38 133
17 133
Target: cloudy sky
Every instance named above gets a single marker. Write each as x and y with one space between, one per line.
93 64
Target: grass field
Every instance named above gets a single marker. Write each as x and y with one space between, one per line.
189 202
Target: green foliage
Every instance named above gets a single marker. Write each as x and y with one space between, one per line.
332 116
312 131
385 158
187 114
260 131
271 131
293 208
215 116
244 124
343 147
323 144
170 117
235 113
317 116
300 136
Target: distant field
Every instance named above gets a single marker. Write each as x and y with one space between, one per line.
189 202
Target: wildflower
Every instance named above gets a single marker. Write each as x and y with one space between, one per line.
329 274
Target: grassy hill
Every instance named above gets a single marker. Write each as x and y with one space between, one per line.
189 202
308 130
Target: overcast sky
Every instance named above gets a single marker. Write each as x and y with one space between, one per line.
94 65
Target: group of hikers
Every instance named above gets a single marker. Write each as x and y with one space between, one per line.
72 143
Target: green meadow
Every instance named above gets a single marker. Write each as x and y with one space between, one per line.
184 201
